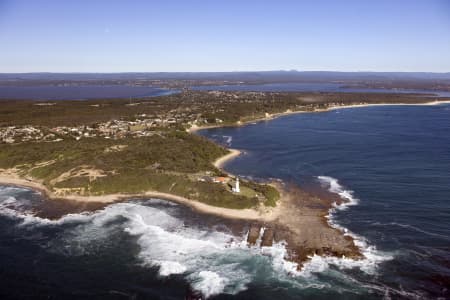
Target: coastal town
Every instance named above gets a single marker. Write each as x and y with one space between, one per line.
114 129
118 119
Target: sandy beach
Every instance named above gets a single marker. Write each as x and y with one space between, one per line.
10 177
293 220
386 104
221 161
195 128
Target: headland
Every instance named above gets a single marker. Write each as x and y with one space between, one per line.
107 151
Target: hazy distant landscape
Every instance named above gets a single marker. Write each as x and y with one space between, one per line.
79 86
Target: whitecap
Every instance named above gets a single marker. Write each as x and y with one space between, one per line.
210 283
208 256
278 254
228 139
213 262
167 268
334 187
372 257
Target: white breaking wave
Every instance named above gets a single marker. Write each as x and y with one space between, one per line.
228 140
278 253
169 267
13 209
210 283
334 187
213 262
372 256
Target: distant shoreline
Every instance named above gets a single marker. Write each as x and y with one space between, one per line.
431 103
196 128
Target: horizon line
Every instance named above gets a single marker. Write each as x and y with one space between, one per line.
247 71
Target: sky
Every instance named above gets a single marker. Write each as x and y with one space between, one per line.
225 35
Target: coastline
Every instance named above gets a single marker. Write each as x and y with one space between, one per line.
9 177
304 229
307 231
195 128
431 103
12 178
221 161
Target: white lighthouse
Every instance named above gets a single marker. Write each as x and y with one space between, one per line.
236 188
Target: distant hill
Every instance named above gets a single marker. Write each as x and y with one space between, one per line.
265 76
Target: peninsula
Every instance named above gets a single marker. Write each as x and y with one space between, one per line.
108 150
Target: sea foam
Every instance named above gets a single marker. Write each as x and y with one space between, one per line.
228 140
210 283
372 256
334 187
213 262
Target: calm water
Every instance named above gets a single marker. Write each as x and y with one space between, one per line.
310 87
86 92
393 163
82 92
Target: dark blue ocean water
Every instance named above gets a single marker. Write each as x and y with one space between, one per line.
392 161
396 160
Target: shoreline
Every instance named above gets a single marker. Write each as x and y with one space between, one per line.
431 103
299 218
196 128
221 161
8 177
304 230
307 230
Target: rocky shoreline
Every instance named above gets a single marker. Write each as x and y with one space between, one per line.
302 218
303 225
299 219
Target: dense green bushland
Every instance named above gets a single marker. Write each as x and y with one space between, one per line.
162 162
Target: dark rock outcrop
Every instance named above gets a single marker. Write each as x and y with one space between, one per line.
253 234
267 238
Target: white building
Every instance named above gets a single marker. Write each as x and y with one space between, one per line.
236 188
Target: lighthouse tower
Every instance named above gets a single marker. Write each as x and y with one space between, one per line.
236 188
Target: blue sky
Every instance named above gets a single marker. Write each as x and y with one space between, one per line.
226 35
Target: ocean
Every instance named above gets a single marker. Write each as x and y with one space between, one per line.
391 162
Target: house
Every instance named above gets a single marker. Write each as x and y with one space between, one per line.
220 179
